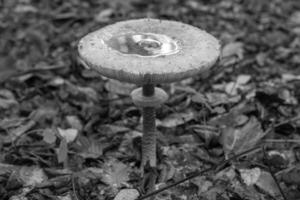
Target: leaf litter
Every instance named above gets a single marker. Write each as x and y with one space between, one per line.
60 121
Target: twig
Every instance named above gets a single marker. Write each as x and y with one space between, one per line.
273 176
281 141
199 173
296 118
281 123
73 187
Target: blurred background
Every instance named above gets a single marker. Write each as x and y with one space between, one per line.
41 34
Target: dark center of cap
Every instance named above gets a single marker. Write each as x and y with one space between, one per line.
149 44
143 44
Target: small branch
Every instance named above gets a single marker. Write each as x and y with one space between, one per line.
73 187
296 118
281 141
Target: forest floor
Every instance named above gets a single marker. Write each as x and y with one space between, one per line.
67 133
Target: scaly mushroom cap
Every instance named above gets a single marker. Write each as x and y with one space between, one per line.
149 51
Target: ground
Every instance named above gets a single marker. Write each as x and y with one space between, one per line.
67 133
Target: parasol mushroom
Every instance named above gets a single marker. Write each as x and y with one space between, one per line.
148 52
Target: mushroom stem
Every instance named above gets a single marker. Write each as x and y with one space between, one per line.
149 129
149 137
149 98
148 90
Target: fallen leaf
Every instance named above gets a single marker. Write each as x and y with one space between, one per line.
233 49
74 122
217 98
7 99
90 173
93 148
20 8
287 96
15 133
292 176
32 176
267 184
232 88
276 159
68 134
290 77
104 15
167 172
112 129
124 4
177 119
243 79
117 87
82 92
237 140
275 38
261 59
62 152
116 173
207 133
9 123
250 176
67 196
49 136
202 183
22 195
7 68
127 194
56 81
43 113
295 18
89 92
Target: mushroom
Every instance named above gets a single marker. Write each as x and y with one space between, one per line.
147 52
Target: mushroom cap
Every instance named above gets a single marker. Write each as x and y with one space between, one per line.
149 51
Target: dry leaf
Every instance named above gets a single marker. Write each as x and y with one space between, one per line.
250 176
68 134
22 8
62 153
116 174
295 18
177 119
94 150
67 196
82 92
31 176
74 122
104 15
7 99
111 129
232 88
127 194
292 176
267 184
49 136
118 87
217 98
237 140
233 49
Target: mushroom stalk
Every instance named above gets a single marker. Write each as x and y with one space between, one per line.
148 98
149 129
148 90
